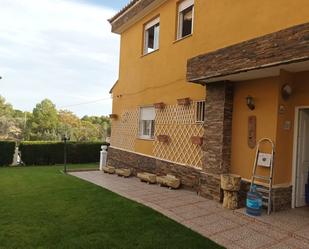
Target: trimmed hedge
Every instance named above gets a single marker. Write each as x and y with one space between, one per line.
50 153
7 150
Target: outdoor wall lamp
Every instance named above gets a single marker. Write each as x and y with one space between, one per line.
286 91
250 103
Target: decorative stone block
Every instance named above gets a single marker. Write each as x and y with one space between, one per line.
147 177
108 169
230 184
169 181
124 172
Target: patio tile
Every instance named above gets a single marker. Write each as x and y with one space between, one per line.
239 233
232 229
302 211
194 213
169 204
282 245
206 220
256 241
183 209
220 226
191 225
228 214
295 243
269 231
204 203
303 232
228 244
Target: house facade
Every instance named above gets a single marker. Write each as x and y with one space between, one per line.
202 81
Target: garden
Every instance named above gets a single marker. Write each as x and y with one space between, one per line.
41 207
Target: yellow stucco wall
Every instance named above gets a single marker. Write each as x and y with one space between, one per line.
285 137
270 123
161 76
265 94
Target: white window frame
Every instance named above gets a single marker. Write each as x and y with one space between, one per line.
181 7
156 39
200 111
146 113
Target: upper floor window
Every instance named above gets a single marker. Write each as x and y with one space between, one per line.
185 18
147 122
152 33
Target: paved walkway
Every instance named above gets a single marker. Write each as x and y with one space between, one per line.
283 230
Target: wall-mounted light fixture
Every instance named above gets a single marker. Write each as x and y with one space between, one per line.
286 91
250 102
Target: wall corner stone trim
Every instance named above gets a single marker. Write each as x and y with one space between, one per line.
218 128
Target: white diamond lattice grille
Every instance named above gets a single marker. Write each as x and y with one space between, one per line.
124 130
178 122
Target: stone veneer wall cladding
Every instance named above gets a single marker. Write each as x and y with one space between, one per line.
207 185
218 128
286 46
282 196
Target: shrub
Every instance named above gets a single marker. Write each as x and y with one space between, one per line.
7 150
49 153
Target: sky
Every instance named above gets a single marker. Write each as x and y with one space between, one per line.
62 50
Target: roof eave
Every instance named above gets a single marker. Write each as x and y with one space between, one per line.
132 14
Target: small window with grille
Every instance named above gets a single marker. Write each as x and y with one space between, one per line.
200 112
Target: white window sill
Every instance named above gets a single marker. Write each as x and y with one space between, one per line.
152 52
146 138
183 38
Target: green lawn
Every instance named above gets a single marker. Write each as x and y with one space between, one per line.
40 207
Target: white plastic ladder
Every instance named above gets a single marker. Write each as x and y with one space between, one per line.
265 160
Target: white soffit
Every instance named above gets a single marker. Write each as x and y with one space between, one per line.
263 73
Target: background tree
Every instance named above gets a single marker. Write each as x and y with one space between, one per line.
6 109
44 121
103 122
47 124
88 131
68 124
10 124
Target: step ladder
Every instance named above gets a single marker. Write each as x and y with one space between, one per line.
264 160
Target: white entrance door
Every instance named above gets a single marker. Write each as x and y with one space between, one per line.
302 157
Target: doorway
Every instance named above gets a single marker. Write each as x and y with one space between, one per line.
301 156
